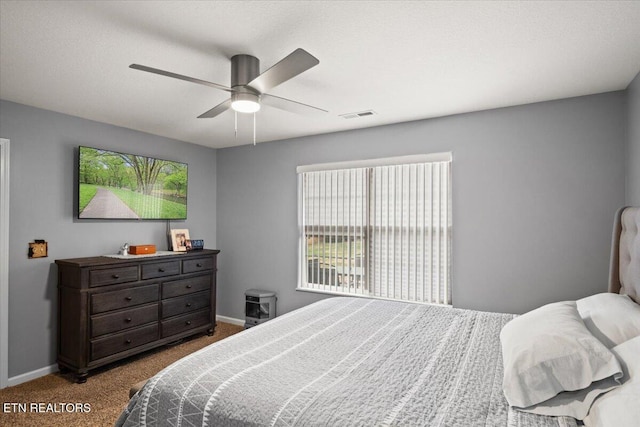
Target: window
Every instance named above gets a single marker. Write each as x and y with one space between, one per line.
377 228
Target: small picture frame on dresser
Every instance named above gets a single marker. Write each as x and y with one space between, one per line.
179 238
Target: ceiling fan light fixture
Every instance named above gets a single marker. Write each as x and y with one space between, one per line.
245 102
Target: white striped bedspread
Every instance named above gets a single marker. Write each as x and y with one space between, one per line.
342 362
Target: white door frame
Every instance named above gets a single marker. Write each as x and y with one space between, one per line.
4 262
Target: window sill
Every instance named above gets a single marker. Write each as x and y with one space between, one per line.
346 294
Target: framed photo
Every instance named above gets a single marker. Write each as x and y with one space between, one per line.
179 238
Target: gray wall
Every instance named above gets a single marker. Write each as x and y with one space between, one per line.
535 191
633 157
43 145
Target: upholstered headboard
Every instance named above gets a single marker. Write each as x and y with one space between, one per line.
624 269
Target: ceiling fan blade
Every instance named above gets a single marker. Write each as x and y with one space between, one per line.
289 105
218 109
179 76
295 63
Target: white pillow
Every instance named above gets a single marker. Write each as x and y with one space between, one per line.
552 363
612 318
620 407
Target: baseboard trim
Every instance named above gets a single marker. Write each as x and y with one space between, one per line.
28 376
231 320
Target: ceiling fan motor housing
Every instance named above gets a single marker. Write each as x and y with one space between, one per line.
244 68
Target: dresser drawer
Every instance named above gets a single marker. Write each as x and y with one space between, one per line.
185 323
186 286
114 322
124 298
198 264
115 344
185 304
160 269
113 276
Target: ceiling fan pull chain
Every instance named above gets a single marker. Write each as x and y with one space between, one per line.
254 128
235 125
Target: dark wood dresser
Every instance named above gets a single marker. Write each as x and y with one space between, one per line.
110 308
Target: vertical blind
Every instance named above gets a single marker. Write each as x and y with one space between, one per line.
379 228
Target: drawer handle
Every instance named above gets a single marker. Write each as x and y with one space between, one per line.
198 265
161 270
115 276
188 322
188 304
127 342
128 319
188 286
128 298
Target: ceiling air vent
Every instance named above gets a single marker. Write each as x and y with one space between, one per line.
358 115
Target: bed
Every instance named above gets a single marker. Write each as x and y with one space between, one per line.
364 362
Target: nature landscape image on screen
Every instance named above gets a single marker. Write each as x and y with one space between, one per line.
115 185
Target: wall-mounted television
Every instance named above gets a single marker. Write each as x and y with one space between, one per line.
113 185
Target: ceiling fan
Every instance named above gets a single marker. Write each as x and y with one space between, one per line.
249 86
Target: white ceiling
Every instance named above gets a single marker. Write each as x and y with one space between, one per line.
405 60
